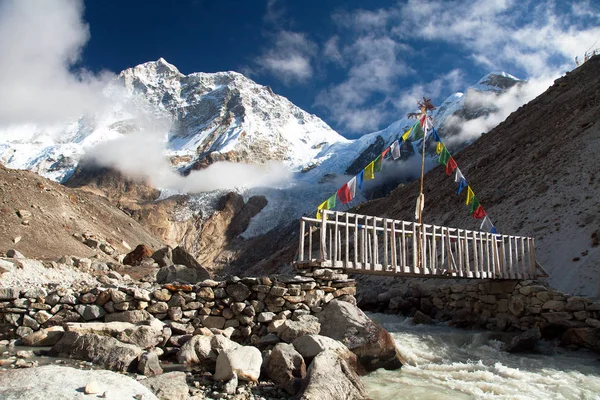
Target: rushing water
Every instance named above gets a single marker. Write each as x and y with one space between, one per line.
446 363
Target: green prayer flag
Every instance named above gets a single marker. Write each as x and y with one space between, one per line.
378 161
444 156
417 132
331 202
474 205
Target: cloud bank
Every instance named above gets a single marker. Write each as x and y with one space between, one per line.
40 81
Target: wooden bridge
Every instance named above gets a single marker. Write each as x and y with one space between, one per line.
372 245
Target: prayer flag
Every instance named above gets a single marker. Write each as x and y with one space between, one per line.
451 166
395 150
479 213
493 230
331 201
470 195
486 224
422 121
439 147
360 179
378 161
344 194
436 137
474 205
384 153
369 171
416 132
419 207
324 206
444 156
460 179
352 187
406 135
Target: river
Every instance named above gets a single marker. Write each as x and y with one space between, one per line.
447 363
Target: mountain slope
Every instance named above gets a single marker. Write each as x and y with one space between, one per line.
52 214
536 174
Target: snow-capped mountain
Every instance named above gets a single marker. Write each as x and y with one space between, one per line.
225 116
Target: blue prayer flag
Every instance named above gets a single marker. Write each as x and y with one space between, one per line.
359 179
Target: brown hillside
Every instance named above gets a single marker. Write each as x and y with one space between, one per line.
57 212
536 174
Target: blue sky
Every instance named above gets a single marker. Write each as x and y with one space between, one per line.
358 65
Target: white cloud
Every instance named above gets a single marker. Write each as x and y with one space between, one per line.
140 155
289 58
41 43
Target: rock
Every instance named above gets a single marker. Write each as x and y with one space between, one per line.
243 361
9 293
373 345
238 291
149 365
266 316
24 214
131 316
231 386
420 318
105 351
525 341
329 377
169 386
163 257
12 253
144 336
305 325
181 256
162 295
197 349
214 322
66 383
177 273
92 388
311 345
582 337
44 337
286 367
136 257
90 312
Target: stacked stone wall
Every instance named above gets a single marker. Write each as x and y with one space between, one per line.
507 305
249 307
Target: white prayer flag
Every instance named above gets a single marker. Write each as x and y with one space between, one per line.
395 150
419 207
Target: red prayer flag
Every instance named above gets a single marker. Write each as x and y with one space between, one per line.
479 213
422 120
451 166
344 194
385 153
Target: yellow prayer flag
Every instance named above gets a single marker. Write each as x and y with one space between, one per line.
323 206
439 147
370 171
406 135
470 195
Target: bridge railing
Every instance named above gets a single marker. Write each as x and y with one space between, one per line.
375 245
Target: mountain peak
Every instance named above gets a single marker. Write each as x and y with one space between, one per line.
498 80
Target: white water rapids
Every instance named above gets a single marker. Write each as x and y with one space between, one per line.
446 363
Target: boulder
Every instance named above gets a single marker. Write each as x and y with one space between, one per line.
131 316
144 336
105 351
177 273
286 367
311 345
66 383
169 386
44 337
420 318
243 361
304 325
163 257
524 341
138 254
329 377
181 256
582 337
149 365
373 345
